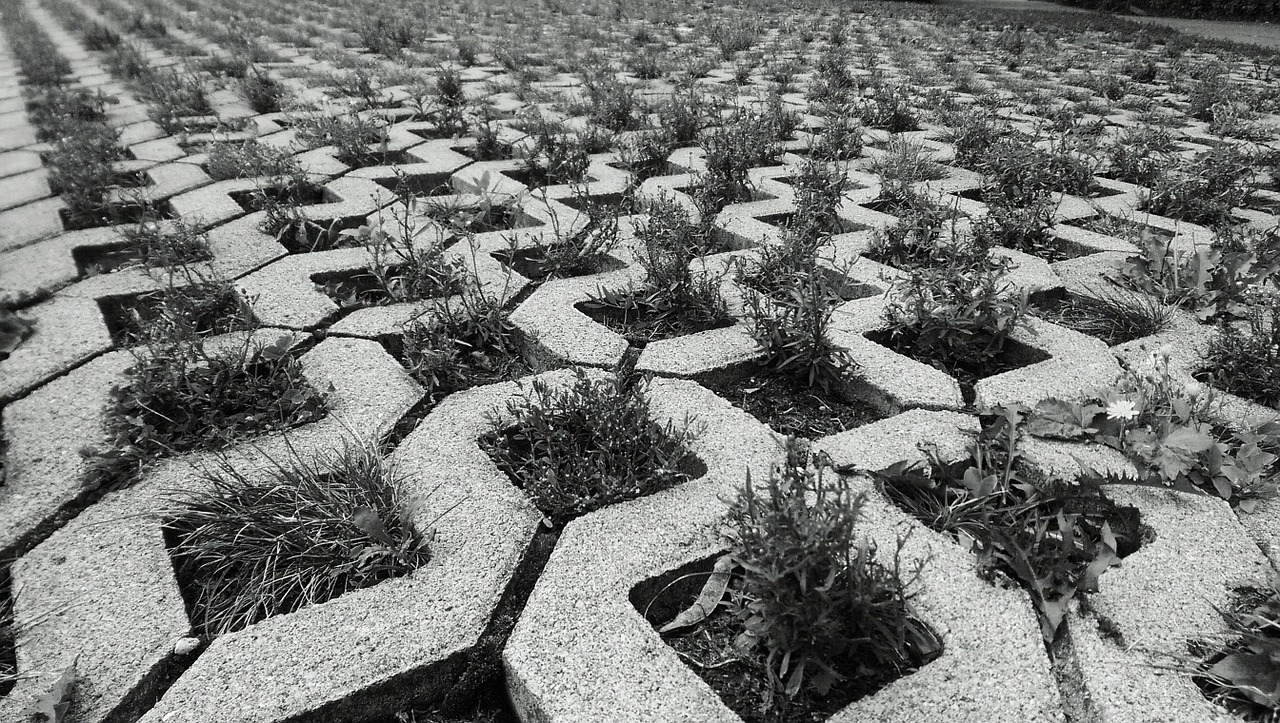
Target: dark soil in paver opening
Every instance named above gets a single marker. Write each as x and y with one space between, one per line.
539 177
532 264
259 198
127 317
604 204
112 214
1015 356
641 322
93 260
377 158
305 237
791 408
740 680
495 152
425 184
688 467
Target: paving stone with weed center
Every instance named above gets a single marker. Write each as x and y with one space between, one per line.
738 362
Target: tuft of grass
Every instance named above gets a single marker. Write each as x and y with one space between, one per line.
249 159
814 601
464 345
585 446
253 546
1112 314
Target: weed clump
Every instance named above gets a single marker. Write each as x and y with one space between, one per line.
1056 538
801 617
958 317
249 548
463 346
1246 362
674 299
584 446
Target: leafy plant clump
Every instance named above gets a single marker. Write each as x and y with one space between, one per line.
1211 281
959 318
181 397
1054 537
584 446
815 619
250 547
1245 676
1246 362
1164 428
674 299
464 345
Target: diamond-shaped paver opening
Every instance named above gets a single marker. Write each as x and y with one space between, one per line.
1015 355
127 316
540 443
790 406
113 214
709 647
307 194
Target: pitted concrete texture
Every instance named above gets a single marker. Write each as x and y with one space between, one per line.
124 613
92 578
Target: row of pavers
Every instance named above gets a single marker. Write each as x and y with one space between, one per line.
551 691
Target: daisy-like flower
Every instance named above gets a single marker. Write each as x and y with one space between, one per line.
1122 409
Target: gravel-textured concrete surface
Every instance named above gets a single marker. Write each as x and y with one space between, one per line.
124 614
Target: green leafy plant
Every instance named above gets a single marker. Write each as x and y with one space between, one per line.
1245 676
1054 537
1210 281
1164 428
580 447
248 547
958 317
814 602
1246 361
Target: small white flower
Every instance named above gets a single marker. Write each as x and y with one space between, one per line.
1194 389
1122 409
